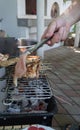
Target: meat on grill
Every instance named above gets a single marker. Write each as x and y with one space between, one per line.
33 67
3 57
20 69
29 69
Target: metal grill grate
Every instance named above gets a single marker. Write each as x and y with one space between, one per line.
29 88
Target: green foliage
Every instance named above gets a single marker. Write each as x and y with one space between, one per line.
74 28
65 1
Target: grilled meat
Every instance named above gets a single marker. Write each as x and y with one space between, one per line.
27 67
20 69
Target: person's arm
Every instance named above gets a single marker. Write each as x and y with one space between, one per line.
63 23
72 14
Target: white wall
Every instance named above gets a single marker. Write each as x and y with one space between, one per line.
20 7
8 11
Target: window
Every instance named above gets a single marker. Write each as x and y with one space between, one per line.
30 7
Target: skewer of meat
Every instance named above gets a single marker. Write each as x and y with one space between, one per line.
20 69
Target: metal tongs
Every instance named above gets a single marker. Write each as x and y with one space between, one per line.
37 46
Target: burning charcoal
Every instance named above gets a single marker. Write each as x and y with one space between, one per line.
27 109
42 105
25 102
14 107
13 110
34 102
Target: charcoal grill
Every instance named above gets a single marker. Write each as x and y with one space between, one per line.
26 88
32 90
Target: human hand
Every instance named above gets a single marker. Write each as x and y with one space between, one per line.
59 28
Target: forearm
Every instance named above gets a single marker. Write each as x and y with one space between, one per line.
60 26
72 14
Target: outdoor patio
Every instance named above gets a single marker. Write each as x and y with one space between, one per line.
65 82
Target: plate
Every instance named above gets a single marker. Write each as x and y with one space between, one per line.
38 127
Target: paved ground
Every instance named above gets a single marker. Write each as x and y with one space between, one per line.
65 82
